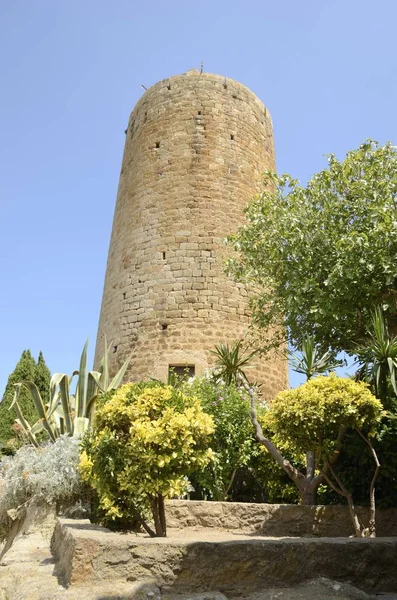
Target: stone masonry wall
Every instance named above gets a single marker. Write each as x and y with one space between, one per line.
196 147
275 519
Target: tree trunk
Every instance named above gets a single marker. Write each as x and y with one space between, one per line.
308 494
372 504
158 512
161 505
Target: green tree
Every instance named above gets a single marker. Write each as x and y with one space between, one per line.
42 378
25 369
323 255
314 418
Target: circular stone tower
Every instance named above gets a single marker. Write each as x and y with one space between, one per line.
196 147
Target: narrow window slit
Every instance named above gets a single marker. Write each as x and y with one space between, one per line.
163 255
157 144
164 326
115 348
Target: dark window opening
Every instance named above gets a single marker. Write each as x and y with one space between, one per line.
232 137
199 112
181 371
163 255
157 144
124 295
164 326
115 348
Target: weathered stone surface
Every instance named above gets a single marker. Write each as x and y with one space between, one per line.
196 148
274 520
227 562
27 573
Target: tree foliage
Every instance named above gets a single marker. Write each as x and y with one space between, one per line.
323 255
241 468
311 416
26 369
231 362
311 361
314 418
147 439
232 442
378 359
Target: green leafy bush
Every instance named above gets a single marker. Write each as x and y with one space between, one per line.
147 440
241 470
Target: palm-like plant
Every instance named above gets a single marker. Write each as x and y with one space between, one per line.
378 358
310 361
66 412
230 362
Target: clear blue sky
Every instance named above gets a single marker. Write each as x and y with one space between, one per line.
71 72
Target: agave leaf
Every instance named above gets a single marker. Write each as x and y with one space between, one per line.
21 419
65 401
118 378
34 392
105 367
90 408
16 395
54 393
81 383
92 386
38 427
81 424
38 402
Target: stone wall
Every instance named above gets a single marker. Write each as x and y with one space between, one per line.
274 519
230 564
196 148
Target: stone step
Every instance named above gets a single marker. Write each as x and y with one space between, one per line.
199 561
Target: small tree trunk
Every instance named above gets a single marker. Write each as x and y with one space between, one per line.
161 505
309 465
158 512
308 494
372 504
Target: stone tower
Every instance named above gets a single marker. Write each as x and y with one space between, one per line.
196 147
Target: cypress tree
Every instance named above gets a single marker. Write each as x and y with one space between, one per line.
26 369
42 378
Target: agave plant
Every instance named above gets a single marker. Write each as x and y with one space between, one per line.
66 412
378 358
230 362
310 362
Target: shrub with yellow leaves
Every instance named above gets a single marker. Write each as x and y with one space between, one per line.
147 439
313 419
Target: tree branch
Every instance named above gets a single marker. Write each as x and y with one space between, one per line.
285 464
372 516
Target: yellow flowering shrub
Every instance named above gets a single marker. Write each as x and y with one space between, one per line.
310 416
146 441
